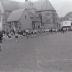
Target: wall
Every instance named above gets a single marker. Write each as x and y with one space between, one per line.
25 21
49 17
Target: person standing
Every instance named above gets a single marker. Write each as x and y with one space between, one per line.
1 40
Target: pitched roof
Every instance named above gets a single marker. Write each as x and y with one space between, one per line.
17 14
39 5
69 14
43 5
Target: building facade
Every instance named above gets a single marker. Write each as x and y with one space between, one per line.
48 13
23 19
41 15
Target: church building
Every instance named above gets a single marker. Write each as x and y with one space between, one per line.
40 14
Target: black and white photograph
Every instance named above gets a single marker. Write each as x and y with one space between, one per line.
35 35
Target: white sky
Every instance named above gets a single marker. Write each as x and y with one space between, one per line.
24 0
62 6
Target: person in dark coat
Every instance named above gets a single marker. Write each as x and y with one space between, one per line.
1 39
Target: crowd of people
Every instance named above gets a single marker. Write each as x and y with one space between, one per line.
27 34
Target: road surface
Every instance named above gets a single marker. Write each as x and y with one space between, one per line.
49 53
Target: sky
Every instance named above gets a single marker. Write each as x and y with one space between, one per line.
62 6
